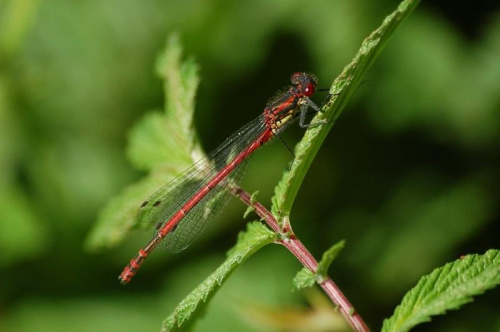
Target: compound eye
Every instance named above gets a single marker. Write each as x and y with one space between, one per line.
309 90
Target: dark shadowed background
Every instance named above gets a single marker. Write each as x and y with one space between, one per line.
409 175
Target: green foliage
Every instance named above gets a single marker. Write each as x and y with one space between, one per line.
189 309
446 288
14 23
21 234
250 208
328 257
169 139
342 89
163 143
306 278
442 217
150 136
303 279
409 172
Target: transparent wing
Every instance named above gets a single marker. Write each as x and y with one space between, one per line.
163 204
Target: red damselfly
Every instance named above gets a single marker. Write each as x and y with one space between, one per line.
183 207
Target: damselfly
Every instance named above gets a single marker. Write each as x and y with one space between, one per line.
183 207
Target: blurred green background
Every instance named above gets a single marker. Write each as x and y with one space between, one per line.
409 175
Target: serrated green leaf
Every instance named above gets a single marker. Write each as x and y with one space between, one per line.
342 89
253 198
303 279
250 208
306 278
119 215
328 257
256 236
150 145
169 137
163 143
446 288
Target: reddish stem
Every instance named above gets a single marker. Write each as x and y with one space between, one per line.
293 244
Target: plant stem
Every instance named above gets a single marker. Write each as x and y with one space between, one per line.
290 241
